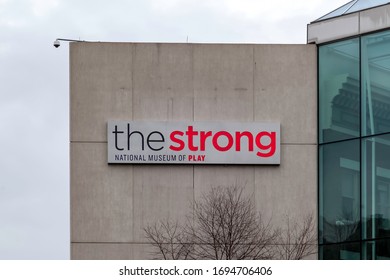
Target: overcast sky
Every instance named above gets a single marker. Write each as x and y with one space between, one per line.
34 89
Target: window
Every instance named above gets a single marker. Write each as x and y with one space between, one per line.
376 250
339 192
348 251
376 186
339 91
354 148
375 69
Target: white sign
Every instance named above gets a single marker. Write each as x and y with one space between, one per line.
193 142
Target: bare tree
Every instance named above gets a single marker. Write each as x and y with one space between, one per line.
224 224
297 241
169 240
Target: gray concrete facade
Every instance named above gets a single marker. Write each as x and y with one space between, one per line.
110 204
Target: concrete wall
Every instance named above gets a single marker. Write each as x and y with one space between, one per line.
111 204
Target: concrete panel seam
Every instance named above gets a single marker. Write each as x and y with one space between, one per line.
109 242
133 53
87 142
359 27
299 144
148 243
253 81
193 82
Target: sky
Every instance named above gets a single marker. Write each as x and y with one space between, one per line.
34 89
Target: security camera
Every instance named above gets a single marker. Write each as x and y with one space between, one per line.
56 43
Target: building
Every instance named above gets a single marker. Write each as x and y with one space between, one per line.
354 97
329 96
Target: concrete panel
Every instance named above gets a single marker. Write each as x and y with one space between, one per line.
375 19
286 90
101 196
111 251
291 189
207 177
124 251
333 29
312 256
100 88
161 192
223 82
163 84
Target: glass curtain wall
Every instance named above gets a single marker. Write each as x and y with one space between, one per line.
354 148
